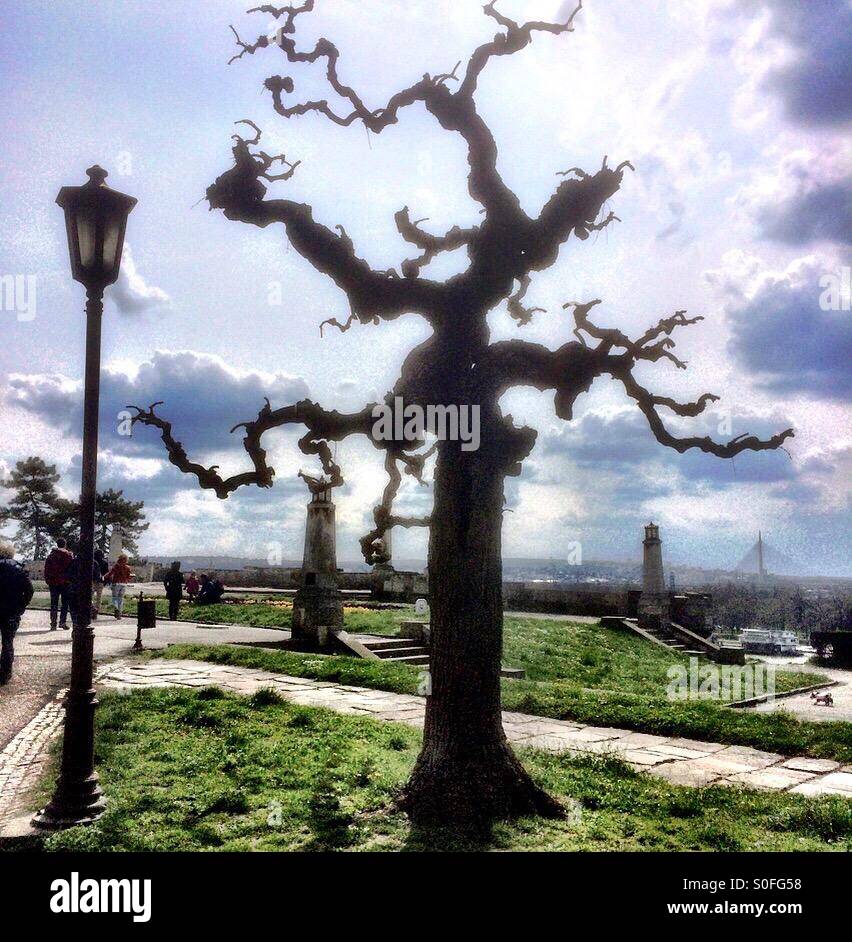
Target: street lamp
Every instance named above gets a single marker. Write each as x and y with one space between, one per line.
95 220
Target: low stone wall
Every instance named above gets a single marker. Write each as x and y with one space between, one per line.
560 600
691 609
386 585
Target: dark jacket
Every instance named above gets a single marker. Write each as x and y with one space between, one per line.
56 566
211 592
16 589
99 569
73 572
173 583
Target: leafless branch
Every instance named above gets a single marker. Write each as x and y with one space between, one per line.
517 311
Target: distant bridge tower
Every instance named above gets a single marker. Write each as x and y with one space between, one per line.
761 569
753 564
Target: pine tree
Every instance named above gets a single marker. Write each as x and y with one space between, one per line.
33 505
113 509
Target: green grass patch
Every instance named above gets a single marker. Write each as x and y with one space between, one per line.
185 771
593 657
638 705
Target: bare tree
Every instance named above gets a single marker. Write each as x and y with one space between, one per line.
466 773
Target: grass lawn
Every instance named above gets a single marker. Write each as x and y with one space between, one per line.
201 770
629 696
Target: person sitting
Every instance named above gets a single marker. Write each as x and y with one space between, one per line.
192 586
173 584
211 591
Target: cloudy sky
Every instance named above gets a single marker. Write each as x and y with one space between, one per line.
735 114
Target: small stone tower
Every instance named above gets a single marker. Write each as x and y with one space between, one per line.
654 601
318 604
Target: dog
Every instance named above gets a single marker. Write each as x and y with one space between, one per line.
822 699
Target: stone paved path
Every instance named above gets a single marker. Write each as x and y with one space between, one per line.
23 760
681 761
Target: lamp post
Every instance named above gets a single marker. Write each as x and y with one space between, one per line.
95 220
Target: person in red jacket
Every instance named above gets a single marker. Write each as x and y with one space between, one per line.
192 587
58 582
119 576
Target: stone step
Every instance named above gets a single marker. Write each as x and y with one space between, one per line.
389 644
394 654
408 659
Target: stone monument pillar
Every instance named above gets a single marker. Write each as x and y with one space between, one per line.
318 604
116 545
654 601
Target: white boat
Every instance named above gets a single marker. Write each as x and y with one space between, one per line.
768 641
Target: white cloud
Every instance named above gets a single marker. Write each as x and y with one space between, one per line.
132 294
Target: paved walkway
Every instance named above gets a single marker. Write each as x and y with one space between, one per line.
803 706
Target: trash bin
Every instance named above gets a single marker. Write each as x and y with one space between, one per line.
146 617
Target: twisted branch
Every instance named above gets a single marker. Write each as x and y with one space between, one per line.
322 427
430 245
647 403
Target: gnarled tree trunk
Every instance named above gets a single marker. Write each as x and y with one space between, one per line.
467 775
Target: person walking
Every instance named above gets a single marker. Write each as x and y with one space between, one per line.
76 602
173 583
56 576
192 587
118 577
101 568
16 590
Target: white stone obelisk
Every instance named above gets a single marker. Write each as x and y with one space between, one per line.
116 545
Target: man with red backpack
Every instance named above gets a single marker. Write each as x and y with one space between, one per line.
56 576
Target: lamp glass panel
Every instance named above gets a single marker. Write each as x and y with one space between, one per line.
111 233
86 236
